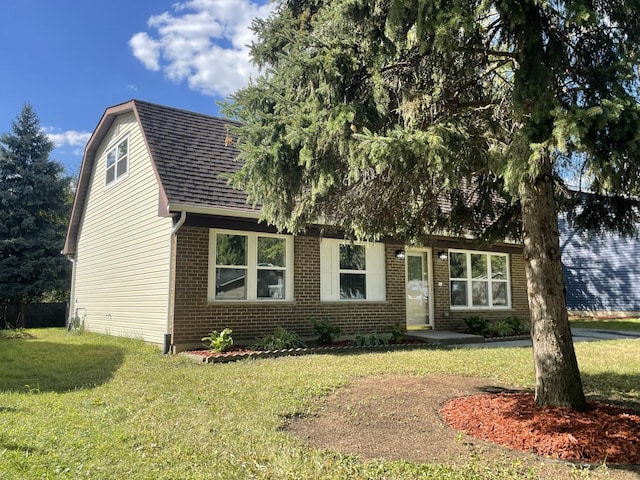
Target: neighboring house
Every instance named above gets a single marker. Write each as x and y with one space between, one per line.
165 250
601 273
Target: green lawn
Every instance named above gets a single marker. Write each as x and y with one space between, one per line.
629 324
91 406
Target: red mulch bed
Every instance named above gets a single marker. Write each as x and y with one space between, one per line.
605 433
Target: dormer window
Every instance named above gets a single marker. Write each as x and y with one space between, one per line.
118 161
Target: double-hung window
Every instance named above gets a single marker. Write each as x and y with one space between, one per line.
351 271
479 279
250 266
117 161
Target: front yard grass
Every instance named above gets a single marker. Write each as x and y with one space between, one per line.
628 324
92 406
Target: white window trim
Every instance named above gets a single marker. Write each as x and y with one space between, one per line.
251 267
330 271
117 179
489 280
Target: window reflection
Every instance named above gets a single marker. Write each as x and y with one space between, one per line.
353 286
231 283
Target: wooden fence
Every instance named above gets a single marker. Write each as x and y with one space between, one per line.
36 315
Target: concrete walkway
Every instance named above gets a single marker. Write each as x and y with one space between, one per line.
466 340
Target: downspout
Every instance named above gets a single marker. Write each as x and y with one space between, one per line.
72 292
174 231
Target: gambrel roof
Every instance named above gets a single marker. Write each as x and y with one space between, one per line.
189 152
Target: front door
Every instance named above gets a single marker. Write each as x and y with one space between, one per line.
418 289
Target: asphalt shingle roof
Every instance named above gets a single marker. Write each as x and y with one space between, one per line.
191 151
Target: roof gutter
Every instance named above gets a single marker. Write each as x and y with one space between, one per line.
220 212
174 231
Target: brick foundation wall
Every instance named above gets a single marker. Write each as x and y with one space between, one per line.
194 316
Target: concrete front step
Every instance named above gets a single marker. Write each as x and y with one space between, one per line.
444 337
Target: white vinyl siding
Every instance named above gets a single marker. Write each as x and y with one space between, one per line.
479 280
122 269
250 266
337 277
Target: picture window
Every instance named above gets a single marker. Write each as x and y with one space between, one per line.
478 279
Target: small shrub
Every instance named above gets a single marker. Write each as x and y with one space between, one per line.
281 339
219 341
326 331
519 325
500 328
370 340
477 325
397 333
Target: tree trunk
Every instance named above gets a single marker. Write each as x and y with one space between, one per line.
558 380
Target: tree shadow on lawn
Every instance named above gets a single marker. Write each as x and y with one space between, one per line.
11 446
39 367
610 387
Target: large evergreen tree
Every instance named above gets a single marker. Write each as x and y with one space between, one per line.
34 208
416 117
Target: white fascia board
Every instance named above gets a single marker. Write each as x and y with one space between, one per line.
217 211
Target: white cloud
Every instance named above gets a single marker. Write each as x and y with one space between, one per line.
147 50
70 137
203 42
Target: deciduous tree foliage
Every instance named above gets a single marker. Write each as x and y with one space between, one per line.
34 208
411 118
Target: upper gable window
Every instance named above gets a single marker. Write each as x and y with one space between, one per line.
118 161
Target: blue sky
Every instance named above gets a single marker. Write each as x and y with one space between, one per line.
71 59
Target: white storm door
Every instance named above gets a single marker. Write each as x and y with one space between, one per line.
418 289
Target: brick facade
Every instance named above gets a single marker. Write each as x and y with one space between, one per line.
193 316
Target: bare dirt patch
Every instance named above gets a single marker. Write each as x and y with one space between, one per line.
397 417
